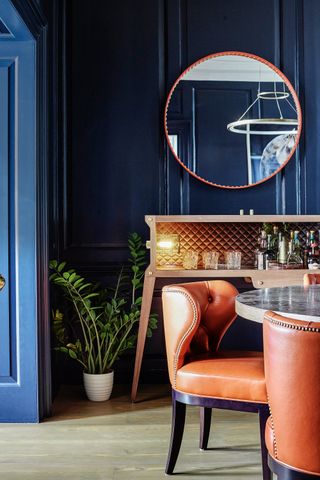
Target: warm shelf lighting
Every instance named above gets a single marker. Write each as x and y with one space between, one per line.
168 243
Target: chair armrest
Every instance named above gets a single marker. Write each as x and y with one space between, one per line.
181 316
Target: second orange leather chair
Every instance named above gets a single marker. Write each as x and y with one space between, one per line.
196 317
292 358
311 278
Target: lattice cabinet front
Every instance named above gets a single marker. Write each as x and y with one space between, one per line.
218 236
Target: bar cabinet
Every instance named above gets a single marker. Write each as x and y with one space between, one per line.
211 233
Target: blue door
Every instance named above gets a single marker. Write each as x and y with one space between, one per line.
18 299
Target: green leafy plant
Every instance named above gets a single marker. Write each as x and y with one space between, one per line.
101 322
284 228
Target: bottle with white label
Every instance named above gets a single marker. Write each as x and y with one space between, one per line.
283 250
260 251
313 258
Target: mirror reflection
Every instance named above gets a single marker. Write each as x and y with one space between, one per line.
233 120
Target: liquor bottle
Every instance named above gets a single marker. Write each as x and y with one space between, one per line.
307 249
291 237
290 245
296 241
269 254
260 251
276 236
313 257
317 250
283 250
294 257
280 236
256 252
313 241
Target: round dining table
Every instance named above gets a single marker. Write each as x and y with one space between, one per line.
300 302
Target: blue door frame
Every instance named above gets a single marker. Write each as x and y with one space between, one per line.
19 220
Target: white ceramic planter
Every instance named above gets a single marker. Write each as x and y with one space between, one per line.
98 387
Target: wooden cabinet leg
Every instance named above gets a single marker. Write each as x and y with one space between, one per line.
147 295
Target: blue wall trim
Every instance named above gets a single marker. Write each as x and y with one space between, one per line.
5 349
19 398
18 29
19 384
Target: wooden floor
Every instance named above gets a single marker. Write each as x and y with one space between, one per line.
117 440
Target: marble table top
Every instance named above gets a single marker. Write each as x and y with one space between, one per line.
302 303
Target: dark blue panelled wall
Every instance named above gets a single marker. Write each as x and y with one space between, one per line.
271 29
121 58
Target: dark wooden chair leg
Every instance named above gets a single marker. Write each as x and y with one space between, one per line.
263 416
205 424
177 427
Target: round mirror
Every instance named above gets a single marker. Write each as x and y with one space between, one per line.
232 120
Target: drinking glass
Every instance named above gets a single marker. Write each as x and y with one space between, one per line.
210 260
233 259
190 260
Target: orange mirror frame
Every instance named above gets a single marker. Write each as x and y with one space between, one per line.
263 95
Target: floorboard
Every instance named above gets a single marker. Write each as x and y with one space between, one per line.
118 440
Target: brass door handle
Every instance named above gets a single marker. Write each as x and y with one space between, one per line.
2 282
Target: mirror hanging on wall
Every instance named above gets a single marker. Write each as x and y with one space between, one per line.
237 117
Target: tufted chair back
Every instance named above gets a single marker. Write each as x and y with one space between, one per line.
292 369
196 316
311 278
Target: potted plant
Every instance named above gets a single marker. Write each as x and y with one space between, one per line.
101 323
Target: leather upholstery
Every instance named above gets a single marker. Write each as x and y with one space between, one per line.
311 278
230 375
292 369
269 434
196 317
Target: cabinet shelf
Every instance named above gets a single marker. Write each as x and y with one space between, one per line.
219 233
259 278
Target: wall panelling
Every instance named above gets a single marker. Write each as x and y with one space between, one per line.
122 58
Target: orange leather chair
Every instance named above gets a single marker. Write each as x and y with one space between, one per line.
311 278
196 317
292 366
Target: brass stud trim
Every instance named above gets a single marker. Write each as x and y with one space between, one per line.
295 327
275 447
187 333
